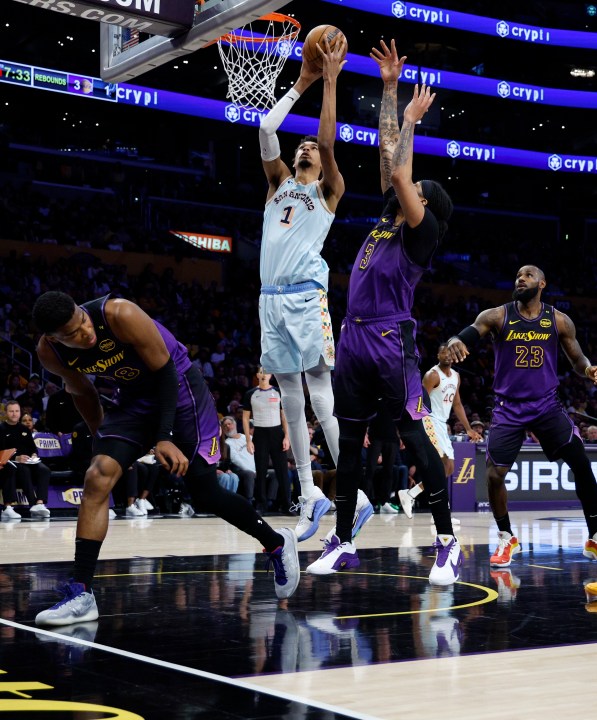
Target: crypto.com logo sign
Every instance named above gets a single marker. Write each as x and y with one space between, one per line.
484 154
399 9
346 133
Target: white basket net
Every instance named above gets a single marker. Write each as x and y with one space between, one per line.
254 56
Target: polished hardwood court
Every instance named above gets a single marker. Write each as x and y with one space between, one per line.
190 627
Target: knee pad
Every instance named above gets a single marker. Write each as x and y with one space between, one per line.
294 407
322 405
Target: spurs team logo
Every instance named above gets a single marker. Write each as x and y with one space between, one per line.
107 345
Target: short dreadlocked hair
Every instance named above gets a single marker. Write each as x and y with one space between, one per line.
52 310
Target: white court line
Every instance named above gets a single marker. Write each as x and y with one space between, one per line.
191 671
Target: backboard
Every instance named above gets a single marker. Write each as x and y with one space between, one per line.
126 53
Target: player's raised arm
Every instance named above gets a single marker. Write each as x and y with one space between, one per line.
402 161
390 67
275 168
332 182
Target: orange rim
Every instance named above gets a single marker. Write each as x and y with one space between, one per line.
273 17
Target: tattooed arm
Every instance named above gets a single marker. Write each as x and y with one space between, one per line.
409 195
390 67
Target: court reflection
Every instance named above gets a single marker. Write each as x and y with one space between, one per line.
219 613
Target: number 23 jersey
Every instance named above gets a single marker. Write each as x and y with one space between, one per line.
526 355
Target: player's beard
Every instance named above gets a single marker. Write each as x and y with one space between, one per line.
304 164
525 295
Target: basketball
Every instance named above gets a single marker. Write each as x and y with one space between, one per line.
318 35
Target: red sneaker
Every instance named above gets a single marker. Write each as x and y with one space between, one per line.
590 549
508 546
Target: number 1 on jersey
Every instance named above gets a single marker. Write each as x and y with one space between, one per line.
287 214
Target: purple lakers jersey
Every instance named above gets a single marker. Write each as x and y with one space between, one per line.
526 355
383 278
118 361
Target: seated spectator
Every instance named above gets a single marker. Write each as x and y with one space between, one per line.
13 388
30 469
234 449
139 483
592 434
149 471
8 485
18 371
28 421
479 426
228 480
32 397
49 390
218 356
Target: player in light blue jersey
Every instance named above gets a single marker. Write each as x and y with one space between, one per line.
296 331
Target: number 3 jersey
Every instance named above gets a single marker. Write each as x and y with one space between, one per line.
295 224
526 356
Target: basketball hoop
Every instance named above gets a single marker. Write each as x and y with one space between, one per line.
254 56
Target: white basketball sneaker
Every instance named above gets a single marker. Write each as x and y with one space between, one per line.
407 502
448 559
312 509
335 556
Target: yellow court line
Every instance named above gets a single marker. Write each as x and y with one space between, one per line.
545 567
491 594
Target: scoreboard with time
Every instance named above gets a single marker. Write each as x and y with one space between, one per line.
46 79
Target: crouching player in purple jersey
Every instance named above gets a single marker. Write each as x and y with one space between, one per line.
377 355
162 401
527 334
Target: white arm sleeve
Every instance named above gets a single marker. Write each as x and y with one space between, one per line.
270 147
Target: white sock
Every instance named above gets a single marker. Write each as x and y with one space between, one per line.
416 490
306 481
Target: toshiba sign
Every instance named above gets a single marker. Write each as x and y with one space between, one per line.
214 243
